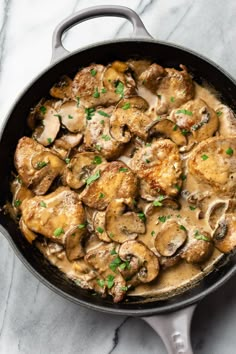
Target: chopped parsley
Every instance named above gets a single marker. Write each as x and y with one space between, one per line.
158 201
125 265
185 111
78 101
120 89
204 157
43 109
124 288
17 203
97 160
142 216
182 228
103 90
81 226
96 93
162 218
115 263
89 113
175 127
123 169
153 233
98 147
41 164
111 235
93 72
104 114
148 144
102 122
147 161
172 99
101 282
106 137
184 132
183 177
100 229
101 195
126 106
218 113
177 187
229 151
43 204
113 252
49 140
58 232
70 117
67 160
191 207
93 178
110 281
199 236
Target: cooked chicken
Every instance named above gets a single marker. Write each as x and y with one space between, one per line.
106 262
97 136
227 121
36 165
109 181
79 168
198 248
152 77
197 118
213 162
159 167
62 89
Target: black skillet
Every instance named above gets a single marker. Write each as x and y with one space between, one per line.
171 318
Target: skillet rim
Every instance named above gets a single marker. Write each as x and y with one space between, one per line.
102 308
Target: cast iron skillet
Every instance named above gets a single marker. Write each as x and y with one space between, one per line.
170 318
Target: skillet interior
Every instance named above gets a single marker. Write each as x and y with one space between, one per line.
166 55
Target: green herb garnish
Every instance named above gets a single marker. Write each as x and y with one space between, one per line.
113 252
98 147
93 72
100 229
103 90
101 195
153 233
17 203
81 226
162 218
43 204
58 232
204 157
172 99
124 288
115 263
101 282
142 216
89 113
49 140
158 201
96 93
175 127
104 114
191 207
229 151
106 137
123 169
43 109
93 178
184 132
110 281
185 111
102 122
177 187
182 228
126 106
199 236
70 117
67 160
78 101
41 164
120 89
97 160
218 113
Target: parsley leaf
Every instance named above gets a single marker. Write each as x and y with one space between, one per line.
162 218
17 203
93 178
58 232
100 229
158 201
120 89
106 137
123 169
204 157
104 114
185 111
41 164
93 72
89 113
43 109
96 93
229 151
97 160
43 204
110 281
126 106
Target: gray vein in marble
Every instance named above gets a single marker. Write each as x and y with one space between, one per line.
3 30
8 297
139 12
115 339
180 20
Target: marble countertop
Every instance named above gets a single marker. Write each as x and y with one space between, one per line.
32 318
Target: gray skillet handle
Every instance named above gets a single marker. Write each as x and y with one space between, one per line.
174 330
58 51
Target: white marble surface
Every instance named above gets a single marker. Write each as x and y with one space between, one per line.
32 318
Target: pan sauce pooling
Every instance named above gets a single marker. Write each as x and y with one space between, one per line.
128 181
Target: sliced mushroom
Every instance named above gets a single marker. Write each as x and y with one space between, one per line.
97 136
170 238
54 215
99 225
168 129
159 167
62 89
111 180
198 248
129 119
20 193
197 118
72 117
29 235
149 265
74 237
122 225
152 76
215 211
80 168
46 133
225 234
36 165
167 262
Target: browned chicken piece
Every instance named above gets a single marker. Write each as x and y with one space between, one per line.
130 118
213 162
147 260
79 169
36 165
122 224
72 117
159 167
58 216
109 181
199 247
152 76
97 135
62 89
106 262
227 121
49 124
20 193
168 129
197 118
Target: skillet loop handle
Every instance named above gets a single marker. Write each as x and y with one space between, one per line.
174 330
58 51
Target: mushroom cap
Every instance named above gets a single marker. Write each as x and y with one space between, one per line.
99 225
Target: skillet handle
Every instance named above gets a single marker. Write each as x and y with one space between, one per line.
174 330
58 51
